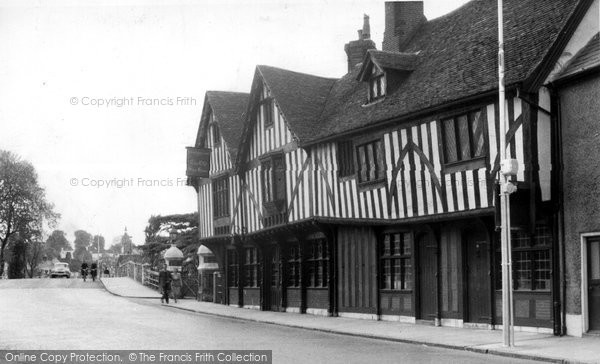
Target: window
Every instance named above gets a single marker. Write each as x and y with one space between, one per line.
267 110
232 268
293 266
463 137
371 164
376 85
251 268
221 197
216 135
273 178
531 259
317 263
396 264
345 158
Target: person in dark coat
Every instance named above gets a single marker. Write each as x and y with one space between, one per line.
84 270
94 271
164 283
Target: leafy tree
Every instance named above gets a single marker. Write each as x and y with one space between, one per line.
83 240
57 241
97 240
17 265
35 251
180 229
23 205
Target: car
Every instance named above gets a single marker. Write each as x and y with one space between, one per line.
60 270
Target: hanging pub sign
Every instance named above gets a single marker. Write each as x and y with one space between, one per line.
198 162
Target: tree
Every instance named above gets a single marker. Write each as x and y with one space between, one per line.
159 231
17 265
56 242
97 240
83 239
33 256
23 205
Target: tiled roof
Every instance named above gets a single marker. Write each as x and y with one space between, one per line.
301 97
229 108
588 57
457 59
393 60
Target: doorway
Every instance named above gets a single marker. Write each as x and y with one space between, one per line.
477 267
275 290
593 282
427 276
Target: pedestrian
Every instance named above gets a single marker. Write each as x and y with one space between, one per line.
84 270
94 271
176 284
164 283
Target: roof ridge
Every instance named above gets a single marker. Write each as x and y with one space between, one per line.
296 72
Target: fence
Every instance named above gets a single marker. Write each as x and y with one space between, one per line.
146 276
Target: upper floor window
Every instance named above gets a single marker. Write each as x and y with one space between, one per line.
463 137
371 164
267 111
216 134
221 197
377 84
273 178
345 158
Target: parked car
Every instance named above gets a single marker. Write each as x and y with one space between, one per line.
60 270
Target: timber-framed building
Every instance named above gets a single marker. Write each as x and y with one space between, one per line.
375 195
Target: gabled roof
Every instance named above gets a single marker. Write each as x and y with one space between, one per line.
228 109
389 61
588 57
457 59
300 96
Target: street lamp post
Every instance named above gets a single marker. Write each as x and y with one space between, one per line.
508 168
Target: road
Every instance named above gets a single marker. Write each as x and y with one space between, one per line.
70 314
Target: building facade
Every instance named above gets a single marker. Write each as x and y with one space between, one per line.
375 195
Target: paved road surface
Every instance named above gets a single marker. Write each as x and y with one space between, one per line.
71 314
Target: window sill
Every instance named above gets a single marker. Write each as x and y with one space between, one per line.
389 290
347 177
465 165
374 102
371 185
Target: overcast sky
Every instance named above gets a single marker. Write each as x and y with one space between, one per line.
66 66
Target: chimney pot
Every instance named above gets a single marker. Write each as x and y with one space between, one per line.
357 49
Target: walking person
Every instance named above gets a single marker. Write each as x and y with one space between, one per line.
164 282
176 284
84 270
94 271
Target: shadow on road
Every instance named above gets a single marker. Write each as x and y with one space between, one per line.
45 283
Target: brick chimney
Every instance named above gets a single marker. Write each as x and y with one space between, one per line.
402 20
357 49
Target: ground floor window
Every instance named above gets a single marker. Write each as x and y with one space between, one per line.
293 266
396 263
251 268
531 260
232 268
317 263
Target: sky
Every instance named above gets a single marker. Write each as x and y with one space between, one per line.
102 97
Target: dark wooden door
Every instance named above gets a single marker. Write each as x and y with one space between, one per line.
275 293
427 277
478 277
593 268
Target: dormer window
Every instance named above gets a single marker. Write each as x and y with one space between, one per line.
377 84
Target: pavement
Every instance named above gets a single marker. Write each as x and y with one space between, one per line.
532 346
